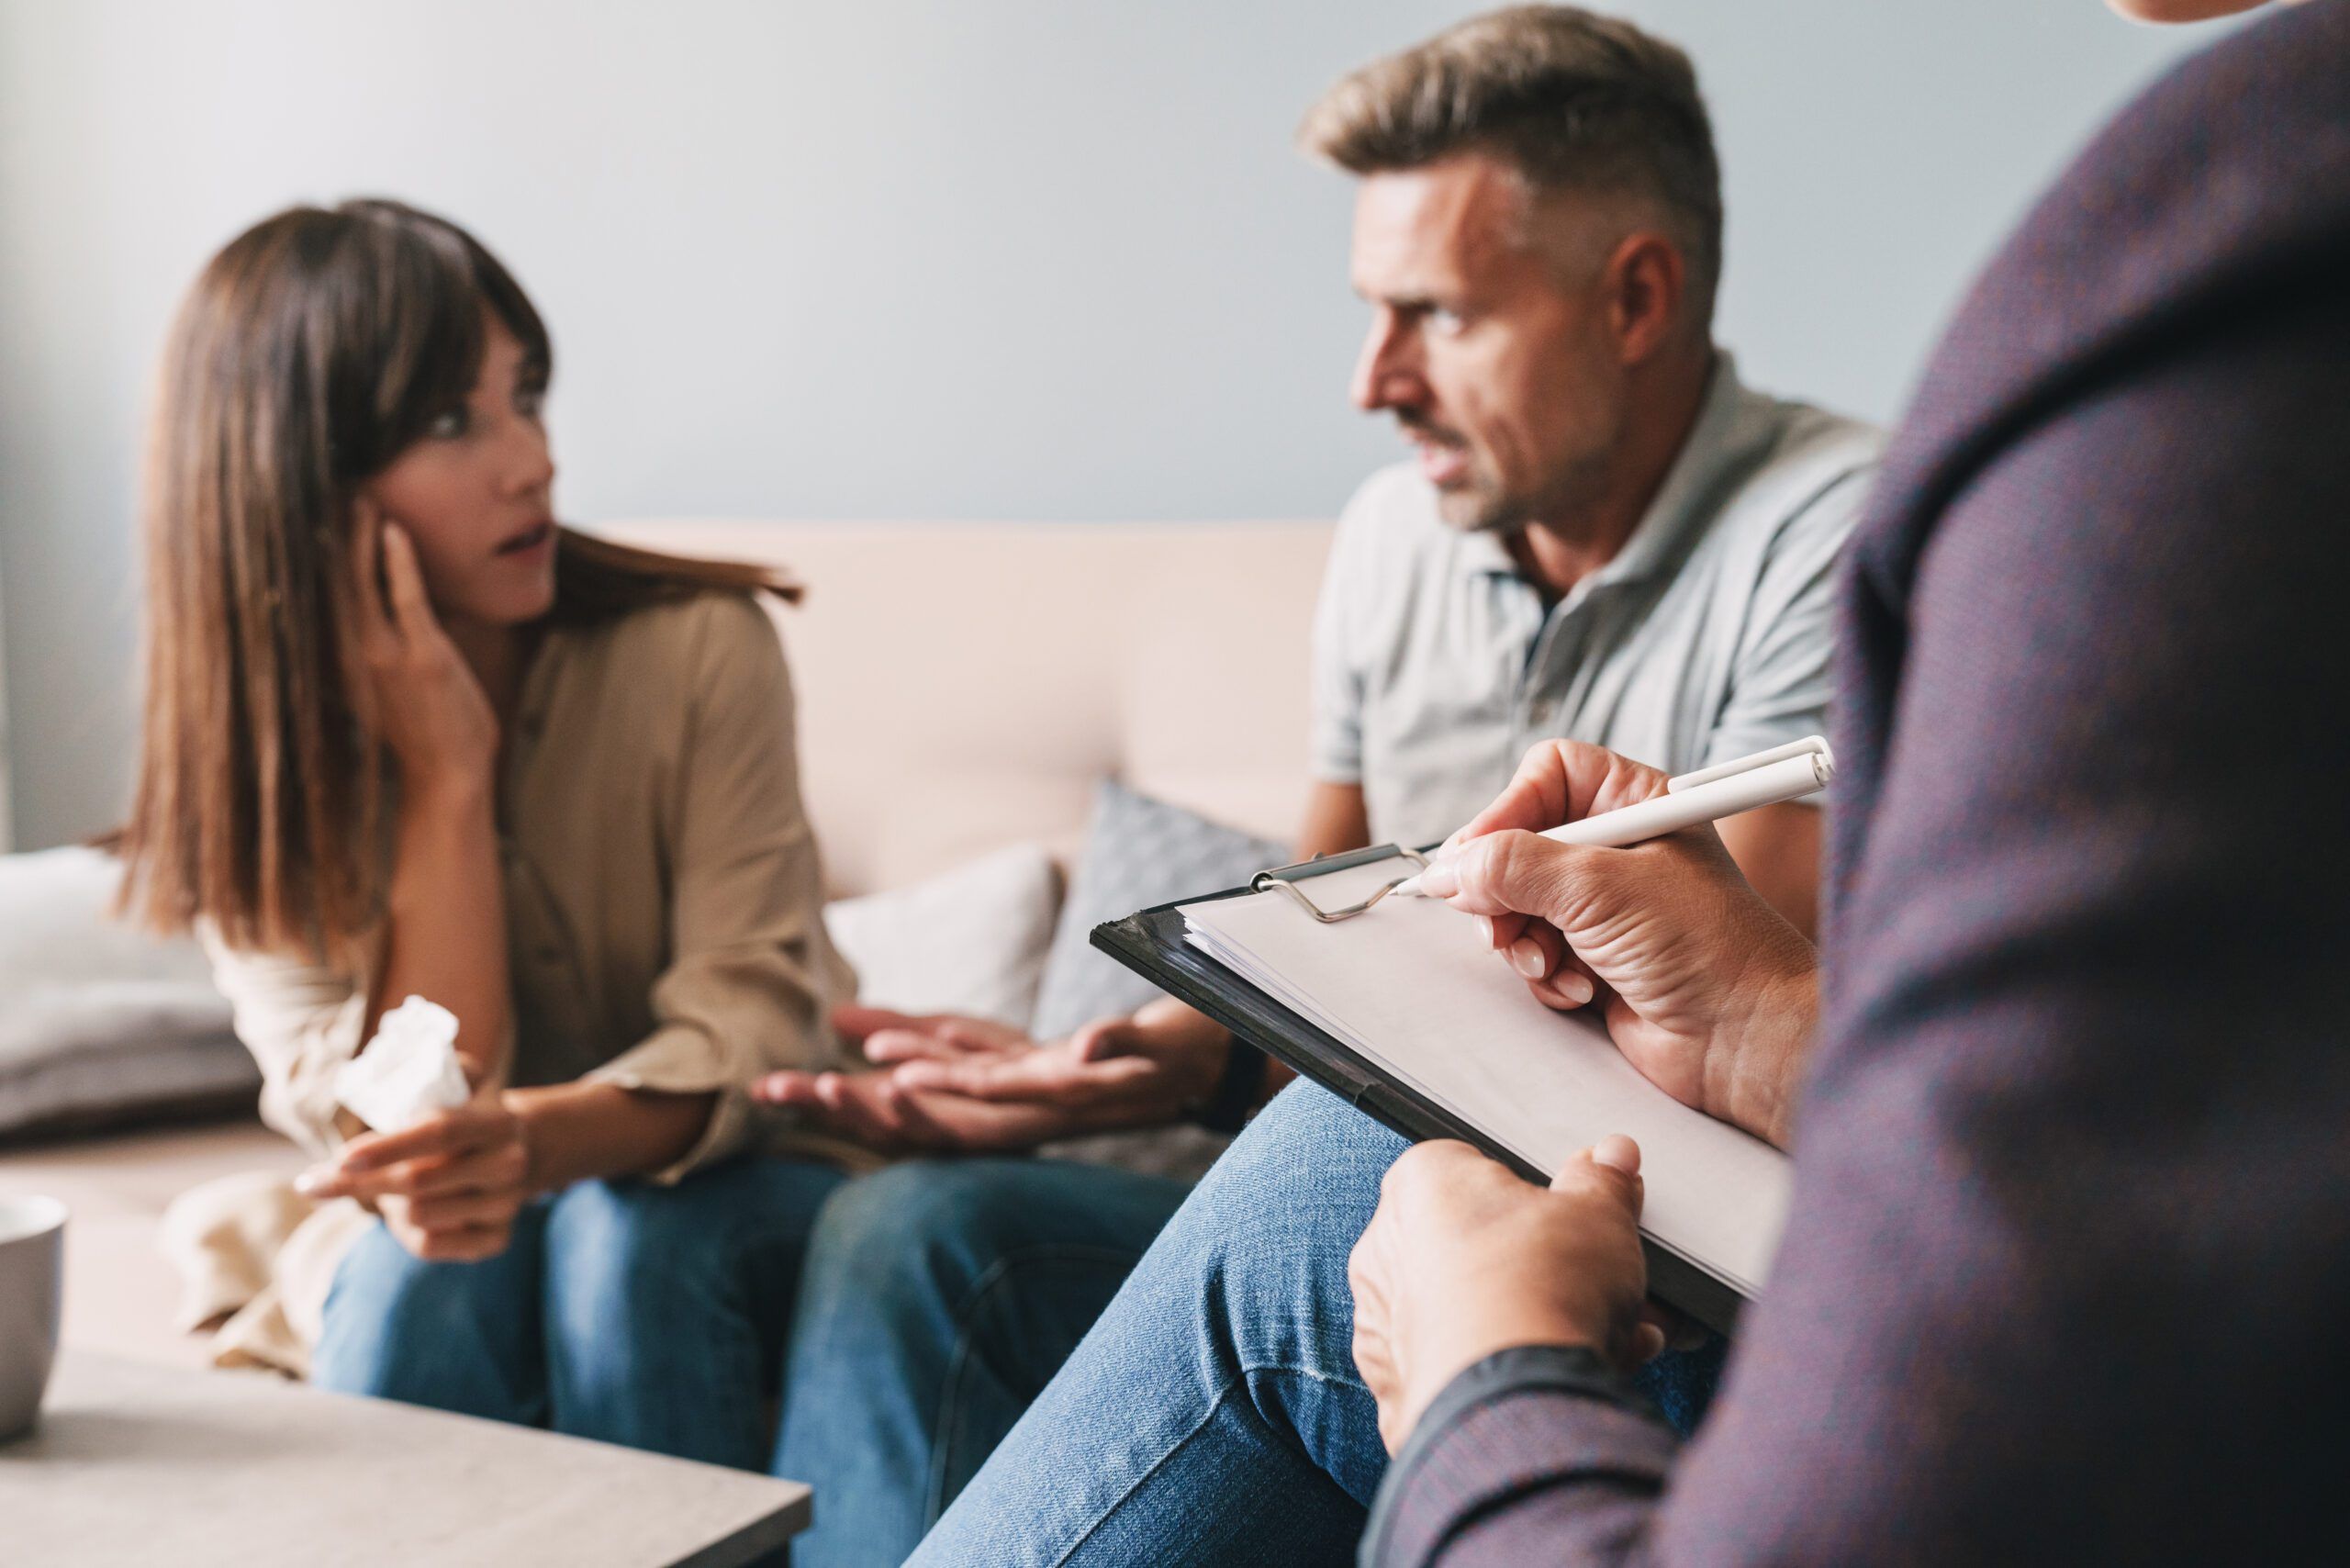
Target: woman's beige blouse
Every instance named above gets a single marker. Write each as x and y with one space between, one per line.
664 904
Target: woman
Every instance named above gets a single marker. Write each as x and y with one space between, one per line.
406 736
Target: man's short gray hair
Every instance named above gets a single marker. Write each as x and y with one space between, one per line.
1572 100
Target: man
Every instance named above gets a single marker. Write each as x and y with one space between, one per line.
1604 536
2066 1275
2070 1248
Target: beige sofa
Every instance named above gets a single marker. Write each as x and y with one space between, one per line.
961 687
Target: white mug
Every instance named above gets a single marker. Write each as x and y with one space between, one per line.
32 1280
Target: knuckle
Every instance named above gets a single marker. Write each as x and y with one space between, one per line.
1549 756
1577 1180
1416 1165
1479 866
1590 1182
1606 1183
1510 859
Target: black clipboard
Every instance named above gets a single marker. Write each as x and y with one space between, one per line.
1153 944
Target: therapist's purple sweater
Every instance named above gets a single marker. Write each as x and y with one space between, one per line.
2067 1275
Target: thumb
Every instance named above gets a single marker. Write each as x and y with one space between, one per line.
1612 1164
855 1023
1618 1151
1104 1038
785 1089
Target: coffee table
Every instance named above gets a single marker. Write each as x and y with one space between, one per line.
134 1464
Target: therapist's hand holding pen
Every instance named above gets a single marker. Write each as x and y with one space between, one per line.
1704 987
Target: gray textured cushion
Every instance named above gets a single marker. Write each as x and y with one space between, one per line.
1138 852
101 1023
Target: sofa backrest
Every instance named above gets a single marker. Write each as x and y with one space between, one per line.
964 686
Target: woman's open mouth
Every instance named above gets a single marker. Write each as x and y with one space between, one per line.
527 540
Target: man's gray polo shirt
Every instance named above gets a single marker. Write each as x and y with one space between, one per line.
1436 665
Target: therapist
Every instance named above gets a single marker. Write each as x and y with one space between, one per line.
2069 1257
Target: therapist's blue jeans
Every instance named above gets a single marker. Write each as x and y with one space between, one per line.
1213 1414
649 1315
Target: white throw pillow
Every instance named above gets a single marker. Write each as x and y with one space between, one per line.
101 1022
972 940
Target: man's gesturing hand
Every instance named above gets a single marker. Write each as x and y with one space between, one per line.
1704 987
966 1084
1462 1259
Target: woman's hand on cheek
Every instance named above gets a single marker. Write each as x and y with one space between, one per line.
448 1188
1462 1259
422 697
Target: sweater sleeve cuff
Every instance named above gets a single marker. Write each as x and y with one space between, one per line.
1507 1426
1568 1369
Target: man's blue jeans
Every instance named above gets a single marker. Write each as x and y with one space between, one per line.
939 1298
1213 1414
650 1315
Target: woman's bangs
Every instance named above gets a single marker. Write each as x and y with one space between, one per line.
427 287
432 311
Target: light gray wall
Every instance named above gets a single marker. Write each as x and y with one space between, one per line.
1040 259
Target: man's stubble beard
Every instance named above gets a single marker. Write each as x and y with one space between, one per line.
1482 506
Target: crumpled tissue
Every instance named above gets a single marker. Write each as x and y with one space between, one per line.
410 1070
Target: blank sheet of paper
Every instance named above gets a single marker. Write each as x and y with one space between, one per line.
1411 987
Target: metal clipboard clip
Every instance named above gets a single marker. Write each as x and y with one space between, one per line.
1785 772
1286 878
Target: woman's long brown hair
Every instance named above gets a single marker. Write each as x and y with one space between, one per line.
310 353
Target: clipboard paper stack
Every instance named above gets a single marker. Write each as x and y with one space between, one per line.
1406 1012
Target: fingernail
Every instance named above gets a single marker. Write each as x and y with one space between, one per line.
1620 1151
310 1182
1440 880
1576 986
1525 957
1493 930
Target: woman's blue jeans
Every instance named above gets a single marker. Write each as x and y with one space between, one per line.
650 1315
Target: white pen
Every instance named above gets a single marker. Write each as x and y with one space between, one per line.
1784 773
